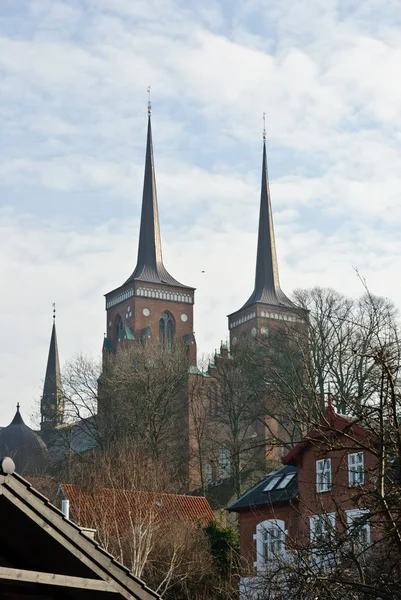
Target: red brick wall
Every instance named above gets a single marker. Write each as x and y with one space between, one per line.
261 320
341 497
157 306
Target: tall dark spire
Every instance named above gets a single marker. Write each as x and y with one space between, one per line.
52 404
150 265
267 285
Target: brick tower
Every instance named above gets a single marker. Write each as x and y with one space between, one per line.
268 305
151 304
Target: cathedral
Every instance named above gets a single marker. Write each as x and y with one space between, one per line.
151 306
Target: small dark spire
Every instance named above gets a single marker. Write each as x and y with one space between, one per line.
52 398
267 285
17 417
150 267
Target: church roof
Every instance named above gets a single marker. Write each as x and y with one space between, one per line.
267 284
150 267
26 447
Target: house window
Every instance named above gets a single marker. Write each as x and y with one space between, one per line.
359 526
323 475
270 542
355 469
322 528
224 462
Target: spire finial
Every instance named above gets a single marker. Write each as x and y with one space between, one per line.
17 406
149 102
264 127
54 311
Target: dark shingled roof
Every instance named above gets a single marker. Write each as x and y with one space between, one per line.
25 447
257 495
267 285
150 267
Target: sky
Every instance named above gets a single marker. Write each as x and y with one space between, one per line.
73 113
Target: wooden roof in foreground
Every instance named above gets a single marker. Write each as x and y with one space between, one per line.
44 555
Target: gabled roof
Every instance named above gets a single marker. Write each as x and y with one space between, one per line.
45 550
125 506
282 487
26 447
331 424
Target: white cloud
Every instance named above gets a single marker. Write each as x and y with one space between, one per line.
73 116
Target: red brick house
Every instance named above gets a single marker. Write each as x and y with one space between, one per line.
322 490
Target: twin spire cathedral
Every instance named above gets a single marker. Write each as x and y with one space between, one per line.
152 305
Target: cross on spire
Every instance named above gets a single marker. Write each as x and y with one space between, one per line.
149 101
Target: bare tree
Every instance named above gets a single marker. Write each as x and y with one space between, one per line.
354 346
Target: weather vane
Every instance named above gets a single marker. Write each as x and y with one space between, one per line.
149 102
54 310
264 127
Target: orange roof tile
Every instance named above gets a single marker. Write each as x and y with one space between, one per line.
122 508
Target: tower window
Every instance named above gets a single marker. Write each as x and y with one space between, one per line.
166 328
162 330
119 327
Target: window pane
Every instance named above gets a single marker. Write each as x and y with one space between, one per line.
285 481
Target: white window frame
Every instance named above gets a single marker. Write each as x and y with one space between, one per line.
322 554
264 539
354 515
329 522
224 462
356 474
323 475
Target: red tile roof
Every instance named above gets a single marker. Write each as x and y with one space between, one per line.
90 508
331 423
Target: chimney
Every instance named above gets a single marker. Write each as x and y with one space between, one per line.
65 508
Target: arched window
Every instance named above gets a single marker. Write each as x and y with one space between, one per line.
208 473
170 331
118 327
166 328
224 462
270 542
162 330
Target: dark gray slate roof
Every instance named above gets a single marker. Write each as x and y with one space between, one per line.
280 490
267 284
150 267
24 446
51 407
